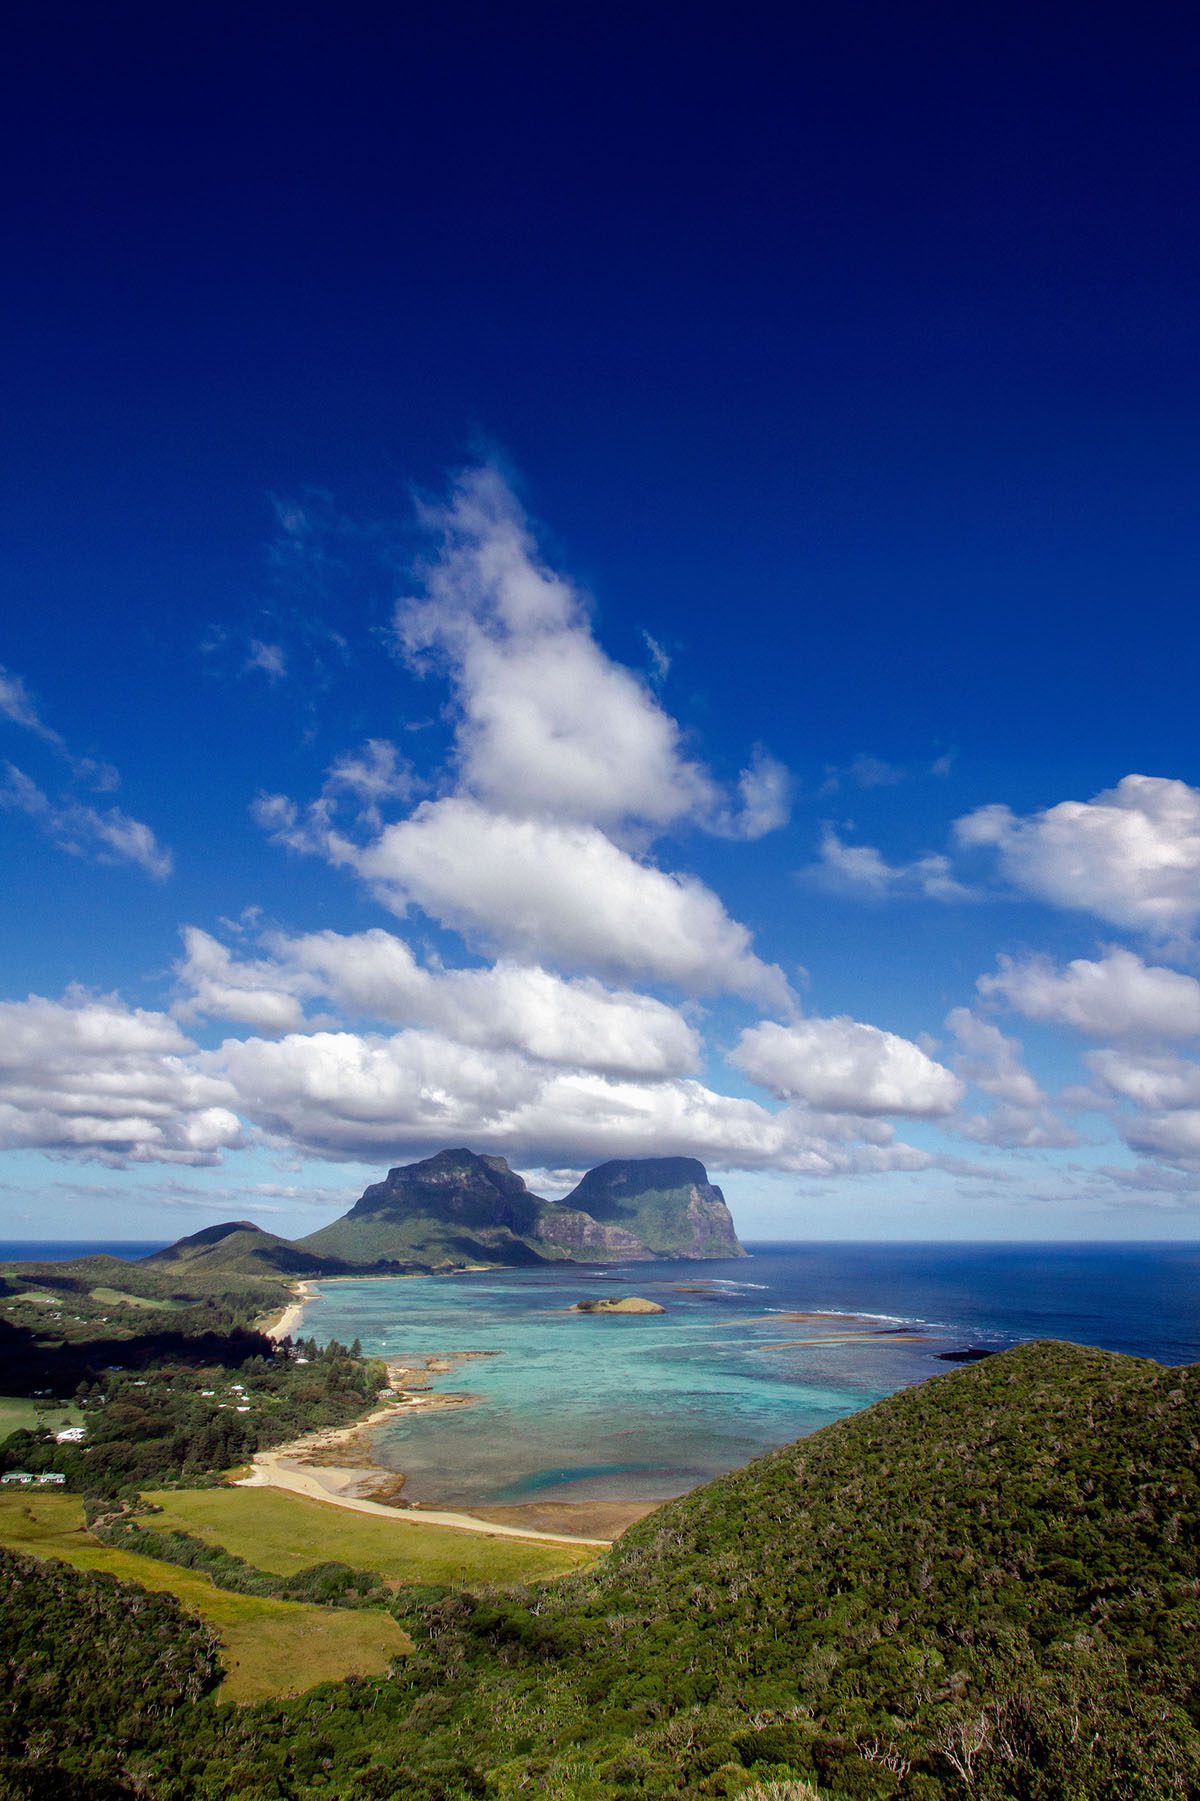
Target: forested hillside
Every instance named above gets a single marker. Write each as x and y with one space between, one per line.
90 1668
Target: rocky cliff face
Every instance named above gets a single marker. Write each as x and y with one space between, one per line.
667 1204
585 1239
454 1186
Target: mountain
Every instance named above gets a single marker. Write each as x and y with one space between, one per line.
238 1248
452 1209
459 1207
648 1206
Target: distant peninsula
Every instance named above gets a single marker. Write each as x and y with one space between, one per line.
460 1210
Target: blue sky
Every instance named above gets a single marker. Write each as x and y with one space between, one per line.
598 587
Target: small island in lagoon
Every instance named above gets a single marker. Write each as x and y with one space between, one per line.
626 1305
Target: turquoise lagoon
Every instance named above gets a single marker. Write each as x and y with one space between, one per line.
584 1407
578 1407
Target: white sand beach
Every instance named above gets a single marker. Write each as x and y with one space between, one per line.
328 1482
285 1326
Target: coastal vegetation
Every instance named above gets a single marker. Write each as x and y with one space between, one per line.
170 1406
982 1589
69 1644
106 1297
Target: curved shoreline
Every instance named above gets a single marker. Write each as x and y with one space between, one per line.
304 1467
272 1469
289 1319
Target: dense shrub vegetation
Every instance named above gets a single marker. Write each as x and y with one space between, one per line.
90 1668
985 1589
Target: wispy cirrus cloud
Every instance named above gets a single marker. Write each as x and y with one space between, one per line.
102 834
863 871
270 659
19 708
1022 1117
286 635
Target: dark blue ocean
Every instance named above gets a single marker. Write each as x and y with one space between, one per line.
1143 1299
748 1353
58 1250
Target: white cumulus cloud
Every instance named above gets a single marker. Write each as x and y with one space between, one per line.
1114 996
94 1078
1131 855
1175 1137
352 1095
846 1067
564 767
548 724
220 986
577 1023
565 893
1158 1096
1156 1083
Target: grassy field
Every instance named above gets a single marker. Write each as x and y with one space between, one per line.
285 1533
270 1647
17 1412
118 1297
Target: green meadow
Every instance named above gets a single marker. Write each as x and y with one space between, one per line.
118 1297
269 1648
285 1533
17 1414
